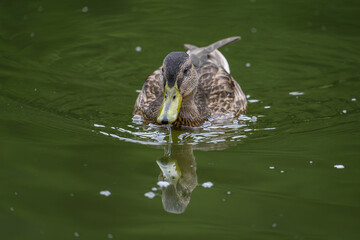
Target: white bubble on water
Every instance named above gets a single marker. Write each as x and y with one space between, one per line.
247 64
76 234
138 49
105 193
163 184
149 195
353 99
344 111
110 236
207 184
253 119
267 107
296 93
85 9
272 167
339 166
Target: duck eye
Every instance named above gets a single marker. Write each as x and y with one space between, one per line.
186 70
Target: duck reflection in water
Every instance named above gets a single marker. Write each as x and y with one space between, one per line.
178 168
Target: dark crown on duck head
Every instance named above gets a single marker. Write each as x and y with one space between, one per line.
172 65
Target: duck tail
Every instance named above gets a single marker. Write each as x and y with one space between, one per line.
214 45
199 55
221 43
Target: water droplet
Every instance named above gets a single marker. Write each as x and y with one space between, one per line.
149 195
253 119
105 193
282 171
267 107
272 167
344 111
85 9
154 189
12 209
163 184
339 166
76 234
228 193
247 64
138 49
353 99
296 93
110 236
207 185
274 225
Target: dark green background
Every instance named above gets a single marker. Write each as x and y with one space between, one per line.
62 71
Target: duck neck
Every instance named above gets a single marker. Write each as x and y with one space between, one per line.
189 114
188 103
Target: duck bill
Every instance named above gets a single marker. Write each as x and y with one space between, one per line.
170 106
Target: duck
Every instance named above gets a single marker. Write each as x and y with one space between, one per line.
190 88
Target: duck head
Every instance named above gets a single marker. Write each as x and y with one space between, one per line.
180 79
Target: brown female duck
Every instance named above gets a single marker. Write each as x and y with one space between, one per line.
192 87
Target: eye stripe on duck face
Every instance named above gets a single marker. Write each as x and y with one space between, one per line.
185 72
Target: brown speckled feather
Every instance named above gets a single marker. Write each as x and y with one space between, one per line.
149 101
224 97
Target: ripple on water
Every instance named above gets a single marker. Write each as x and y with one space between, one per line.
210 132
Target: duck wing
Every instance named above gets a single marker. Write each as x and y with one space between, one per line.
149 101
223 95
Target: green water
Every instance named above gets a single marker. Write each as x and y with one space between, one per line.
289 169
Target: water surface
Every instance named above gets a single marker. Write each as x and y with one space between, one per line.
74 164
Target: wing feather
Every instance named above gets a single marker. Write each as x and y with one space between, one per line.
149 101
